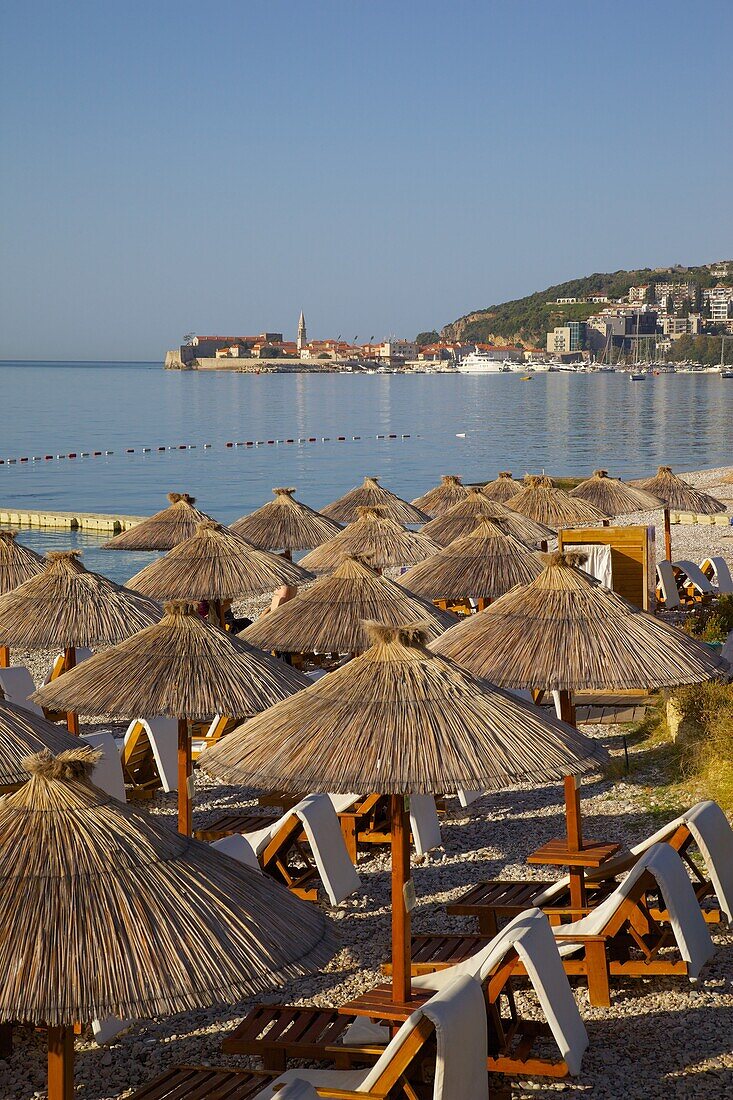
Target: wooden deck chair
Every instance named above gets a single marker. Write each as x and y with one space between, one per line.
150 756
215 731
17 685
107 774
718 573
667 590
82 654
693 581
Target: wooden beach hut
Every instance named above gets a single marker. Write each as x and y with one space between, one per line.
462 518
182 668
374 537
442 497
542 501
18 564
370 494
503 487
165 529
285 524
679 496
613 496
107 913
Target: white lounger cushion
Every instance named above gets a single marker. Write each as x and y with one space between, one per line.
322 828
668 585
82 654
107 774
714 837
695 576
237 847
163 736
424 823
721 574
343 802
17 684
297 1090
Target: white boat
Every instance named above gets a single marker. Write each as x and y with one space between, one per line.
481 362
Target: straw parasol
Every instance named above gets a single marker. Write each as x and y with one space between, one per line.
66 607
461 520
215 564
542 501
677 494
105 912
285 524
373 537
439 499
371 494
503 487
22 733
164 530
17 564
329 617
612 496
479 566
399 720
183 668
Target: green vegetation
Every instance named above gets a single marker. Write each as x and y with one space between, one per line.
701 349
712 624
424 338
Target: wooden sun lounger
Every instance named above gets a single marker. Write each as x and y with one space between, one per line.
138 764
278 1032
204 735
228 824
288 861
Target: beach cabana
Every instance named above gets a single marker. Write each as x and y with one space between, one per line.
285 524
542 501
66 607
214 564
613 496
164 530
399 720
106 912
17 564
375 538
480 567
679 496
23 733
462 518
182 668
370 494
503 487
329 616
442 497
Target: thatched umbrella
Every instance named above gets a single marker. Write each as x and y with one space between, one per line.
503 488
66 607
329 617
17 564
480 566
370 494
461 520
612 496
183 668
105 912
373 537
215 565
164 530
439 499
542 501
680 495
399 720
23 733
285 524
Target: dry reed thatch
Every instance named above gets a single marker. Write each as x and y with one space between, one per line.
67 606
612 496
399 720
164 530
329 617
438 500
215 564
23 733
566 632
183 667
482 565
543 502
285 524
462 518
375 538
17 562
503 488
679 494
105 912
370 494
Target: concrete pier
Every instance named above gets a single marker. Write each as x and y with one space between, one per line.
69 521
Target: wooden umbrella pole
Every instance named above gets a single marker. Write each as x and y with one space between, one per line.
667 536
219 613
4 656
72 719
401 959
60 1063
185 776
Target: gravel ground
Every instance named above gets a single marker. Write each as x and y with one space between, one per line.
660 1039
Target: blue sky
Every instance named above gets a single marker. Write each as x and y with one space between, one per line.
388 166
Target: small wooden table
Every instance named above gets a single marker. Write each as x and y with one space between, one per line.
557 853
377 1004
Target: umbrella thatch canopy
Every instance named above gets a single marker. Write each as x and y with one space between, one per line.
215 564
23 733
375 538
543 502
612 496
285 524
503 487
482 566
442 497
679 494
370 494
105 912
164 530
462 518
565 632
17 562
329 617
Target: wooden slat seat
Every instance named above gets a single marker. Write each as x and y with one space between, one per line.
278 1032
231 823
202 1083
437 952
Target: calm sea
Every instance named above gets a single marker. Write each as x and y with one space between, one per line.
470 425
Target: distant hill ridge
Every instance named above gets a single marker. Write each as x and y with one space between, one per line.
527 320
